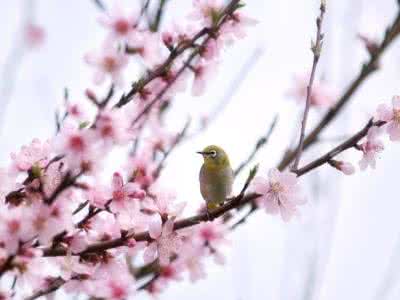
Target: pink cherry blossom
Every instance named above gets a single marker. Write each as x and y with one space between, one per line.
202 75
35 154
121 24
344 167
166 241
53 176
371 148
212 49
322 95
108 61
192 259
141 168
177 84
280 193
31 269
147 46
98 195
212 233
113 281
124 194
176 34
47 221
347 168
149 92
391 115
235 27
163 202
78 242
77 111
113 126
172 271
78 146
34 35
103 227
160 138
14 228
206 11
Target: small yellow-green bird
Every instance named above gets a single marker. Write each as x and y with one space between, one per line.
216 176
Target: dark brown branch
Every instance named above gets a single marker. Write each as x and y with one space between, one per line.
243 219
144 236
159 14
80 207
316 49
54 285
93 211
349 143
7 265
260 144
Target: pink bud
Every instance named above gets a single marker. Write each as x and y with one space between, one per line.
346 168
34 35
91 95
167 39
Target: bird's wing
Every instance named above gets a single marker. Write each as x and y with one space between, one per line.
204 184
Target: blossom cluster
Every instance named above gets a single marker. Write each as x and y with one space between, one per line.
62 195
386 120
280 191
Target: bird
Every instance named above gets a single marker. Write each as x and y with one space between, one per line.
216 177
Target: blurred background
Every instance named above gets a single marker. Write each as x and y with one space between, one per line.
346 243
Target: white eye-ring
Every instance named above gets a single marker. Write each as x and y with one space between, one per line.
213 153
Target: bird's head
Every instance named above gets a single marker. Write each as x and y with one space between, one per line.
214 156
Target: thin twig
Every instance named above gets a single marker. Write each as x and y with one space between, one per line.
80 207
262 141
349 143
159 14
316 50
53 286
99 4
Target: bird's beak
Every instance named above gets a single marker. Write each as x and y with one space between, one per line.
204 153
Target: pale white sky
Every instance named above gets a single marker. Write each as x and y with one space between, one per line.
340 247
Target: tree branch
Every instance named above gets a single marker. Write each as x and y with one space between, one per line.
157 20
367 69
175 53
316 49
349 143
53 286
145 236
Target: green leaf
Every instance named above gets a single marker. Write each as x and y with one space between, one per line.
83 125
253 172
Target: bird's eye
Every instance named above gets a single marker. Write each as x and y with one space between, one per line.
213 153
